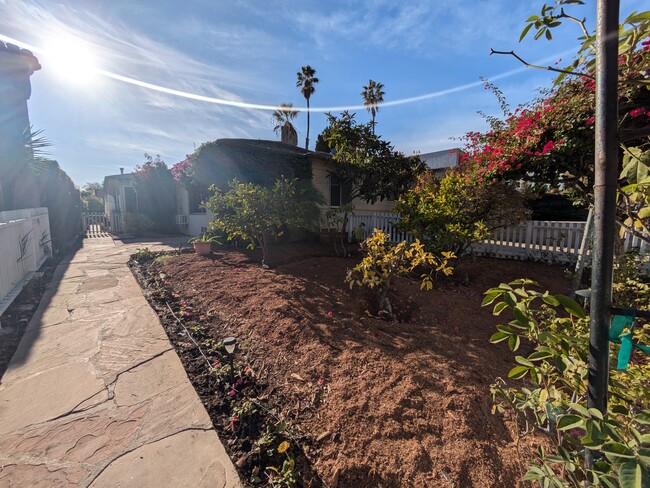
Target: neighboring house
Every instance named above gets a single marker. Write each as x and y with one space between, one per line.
231 158
119 194
439 162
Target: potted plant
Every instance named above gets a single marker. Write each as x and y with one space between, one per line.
203 243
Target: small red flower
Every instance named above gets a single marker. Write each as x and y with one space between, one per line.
330 314
589 121
321 381
637 112
232 393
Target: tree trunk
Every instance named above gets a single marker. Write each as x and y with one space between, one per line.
307 138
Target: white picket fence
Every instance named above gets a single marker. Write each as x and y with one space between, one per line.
25 244
361 225
539 240
97 224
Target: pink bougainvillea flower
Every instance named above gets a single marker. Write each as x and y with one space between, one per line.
637 112
216 364
548 147
321 381
232 393
330 314
589 121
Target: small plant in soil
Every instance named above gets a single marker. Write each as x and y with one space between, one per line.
384 262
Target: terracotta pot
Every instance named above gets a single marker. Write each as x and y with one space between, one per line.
202 248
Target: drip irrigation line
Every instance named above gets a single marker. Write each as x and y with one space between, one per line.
243 394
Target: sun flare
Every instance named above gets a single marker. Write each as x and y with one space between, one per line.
72 59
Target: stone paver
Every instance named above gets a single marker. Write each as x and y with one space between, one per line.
95 394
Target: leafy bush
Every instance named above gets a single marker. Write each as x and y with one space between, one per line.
259 214
452 212
555 396
138 224
154 184
384 261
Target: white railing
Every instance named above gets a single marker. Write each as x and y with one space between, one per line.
541 240
25 244
181 219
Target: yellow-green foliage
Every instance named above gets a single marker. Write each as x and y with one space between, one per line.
384 261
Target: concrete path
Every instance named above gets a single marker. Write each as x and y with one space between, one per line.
95 394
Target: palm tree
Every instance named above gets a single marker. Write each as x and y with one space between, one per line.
306 82
373 95
282 119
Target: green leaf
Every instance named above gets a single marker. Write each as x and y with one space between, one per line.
615 451
523 361
550 300
510 299
514 342
526 29
569 421
580 409
518 372
620 410
499 307
644 454
499 337
539 355
491 295
571 306
595 413
630 475
643 417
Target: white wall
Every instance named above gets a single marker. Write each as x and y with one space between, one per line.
31 227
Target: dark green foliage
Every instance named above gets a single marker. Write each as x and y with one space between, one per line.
156 192
366 164
59 194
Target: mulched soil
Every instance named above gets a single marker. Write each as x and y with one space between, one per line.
374 402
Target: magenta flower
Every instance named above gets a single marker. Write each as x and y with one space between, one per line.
637 112
330 314
232 393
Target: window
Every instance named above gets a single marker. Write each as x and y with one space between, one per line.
196 199
336 191
130 200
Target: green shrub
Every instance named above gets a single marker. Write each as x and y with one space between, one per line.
554 396
452 212
259 214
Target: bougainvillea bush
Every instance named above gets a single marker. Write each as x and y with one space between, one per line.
549 142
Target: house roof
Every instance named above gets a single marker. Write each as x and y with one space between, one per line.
272 146
447 158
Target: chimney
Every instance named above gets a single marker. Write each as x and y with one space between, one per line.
121 171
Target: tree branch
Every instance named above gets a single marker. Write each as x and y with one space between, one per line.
547 68
630 135
581 23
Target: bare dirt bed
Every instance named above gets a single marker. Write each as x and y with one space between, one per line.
389 403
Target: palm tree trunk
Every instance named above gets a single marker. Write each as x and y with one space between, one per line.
307 138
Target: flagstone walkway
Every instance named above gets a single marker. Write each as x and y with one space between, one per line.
95 394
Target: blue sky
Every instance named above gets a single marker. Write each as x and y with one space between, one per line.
250 51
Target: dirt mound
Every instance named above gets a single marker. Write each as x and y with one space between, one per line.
387 403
